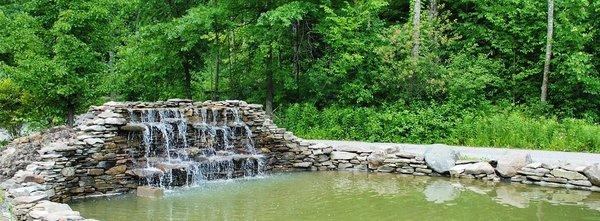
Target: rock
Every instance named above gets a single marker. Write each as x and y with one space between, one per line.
532 172
95 172
479 168
343 166
397 161
24 191
93 141
376 159
580 182
56 147
179 100
570 175
150 192
404 154
303 164
573 167
28 199
109 114
354 149
555 179
105 164
593 174
115 121
34 178
133 127
385 169
318 146
455 171
509 164
423 170
340 155
96 128
535 165
147 172
68 171
440 158
458 162
117 170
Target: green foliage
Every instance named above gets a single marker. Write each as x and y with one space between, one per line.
427 124
516 130
13 103
494 127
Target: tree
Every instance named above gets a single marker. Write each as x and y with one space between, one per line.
416 28
544 89
69 45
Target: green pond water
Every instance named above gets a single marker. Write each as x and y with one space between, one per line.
350 196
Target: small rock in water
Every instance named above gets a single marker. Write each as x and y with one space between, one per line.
150 192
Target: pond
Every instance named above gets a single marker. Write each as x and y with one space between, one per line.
349 196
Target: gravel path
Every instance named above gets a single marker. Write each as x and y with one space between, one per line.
543 156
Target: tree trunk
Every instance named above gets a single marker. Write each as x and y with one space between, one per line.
215 95
70 113
111 69
544 94
270 87
416 29
297 58
187 78
434 36
433 10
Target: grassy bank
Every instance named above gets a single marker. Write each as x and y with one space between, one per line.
494 127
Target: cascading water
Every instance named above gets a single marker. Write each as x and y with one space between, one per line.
182 149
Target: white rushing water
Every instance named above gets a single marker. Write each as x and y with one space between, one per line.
181 151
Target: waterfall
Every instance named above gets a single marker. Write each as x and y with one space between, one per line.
182 149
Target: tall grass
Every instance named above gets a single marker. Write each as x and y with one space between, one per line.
492 127
519 131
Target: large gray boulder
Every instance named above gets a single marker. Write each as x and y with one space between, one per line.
593 174
509 164
440 158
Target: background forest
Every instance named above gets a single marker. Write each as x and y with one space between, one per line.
423 71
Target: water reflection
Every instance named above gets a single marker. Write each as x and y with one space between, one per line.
441 190
352 196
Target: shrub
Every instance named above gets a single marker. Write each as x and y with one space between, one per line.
484 126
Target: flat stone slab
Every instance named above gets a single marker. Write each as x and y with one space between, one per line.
489 153
340 155
28 199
